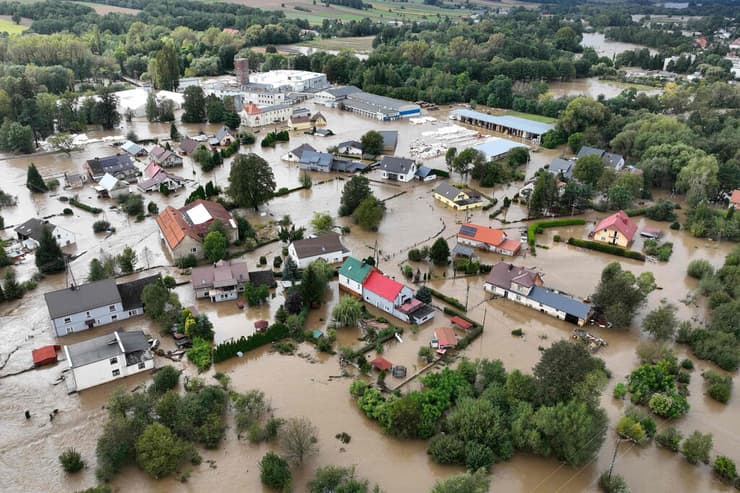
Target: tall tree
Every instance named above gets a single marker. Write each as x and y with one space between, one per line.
251 181
151 108
661 322
561 369
105 111
215 246
440 252
620 294
354 192
544 195
166 74
194 105
372 143
588 169
49 255
34 181
369 213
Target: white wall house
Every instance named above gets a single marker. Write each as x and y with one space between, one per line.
31 231
255 116
398 168
327 246
107 358
352 275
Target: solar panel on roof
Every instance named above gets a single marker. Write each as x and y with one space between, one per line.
468 230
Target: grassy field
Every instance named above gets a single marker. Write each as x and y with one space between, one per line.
10 27
104 9
360 44
383 10
529 116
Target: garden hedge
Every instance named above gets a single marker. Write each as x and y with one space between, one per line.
538 226
601 247
448 299
228 349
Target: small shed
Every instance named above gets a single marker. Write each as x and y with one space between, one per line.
380 364
261 325
652 233
445 338
45 355
399 371
461 322
462 251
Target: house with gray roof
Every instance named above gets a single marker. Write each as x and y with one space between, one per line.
295 155
526 287
83 307
134 149
564 167
397 168
107 358
350 147
30 232
614 161
390 140
315 161
119 165
327 246
221 281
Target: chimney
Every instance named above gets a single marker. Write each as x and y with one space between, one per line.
241 67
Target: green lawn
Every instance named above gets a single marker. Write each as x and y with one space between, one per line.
382 10
530 116
10 27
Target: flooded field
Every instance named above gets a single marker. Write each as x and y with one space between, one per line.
605 47
594 88
302 386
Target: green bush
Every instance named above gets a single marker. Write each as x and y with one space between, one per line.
699 269
724 467
662 251
602 247
101 226
669 438
613 484
67 211
275 472
517 332
165 379
448 299
447 449
720 386
228 349
675 225
620 391
84 207
71 461
200 353
687 364
186 262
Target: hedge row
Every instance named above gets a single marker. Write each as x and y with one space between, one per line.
538 226
602 247
448 299
228 349
285 191
441 173
381 340
636 212
84 207
453 313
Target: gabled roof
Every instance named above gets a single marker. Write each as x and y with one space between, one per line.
189 145
300 119
173 226
85 297
105 347
383 286
222 273
316 117
560 302
131 291
613 160
160 154
445 337
111 164
619 221
322 159
298 151
399 165
424 171
446 190
201 213
495 147
110 182
132 148
560 165
503 274
350 143
483 234
152 169
356 270
34 228
224 132
319 245
590 151
381 363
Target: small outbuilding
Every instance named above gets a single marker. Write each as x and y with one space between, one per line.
381 364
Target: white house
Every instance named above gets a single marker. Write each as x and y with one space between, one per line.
350 148
395 299
295 155
255 116
327 246
352 275
221 281
106 358
398 168
29 233
97 303
112 187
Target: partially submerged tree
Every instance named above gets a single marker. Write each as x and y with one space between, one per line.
348 311
354 192
251 181
619 294
298 440
34 181
49 255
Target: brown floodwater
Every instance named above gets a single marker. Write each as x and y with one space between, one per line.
303 384
609 48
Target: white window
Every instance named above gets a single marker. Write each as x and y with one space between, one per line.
114 361
116 372
194 249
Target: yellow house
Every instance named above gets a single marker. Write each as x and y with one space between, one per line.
617 229
306 122
455 198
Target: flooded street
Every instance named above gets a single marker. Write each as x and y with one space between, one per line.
301 386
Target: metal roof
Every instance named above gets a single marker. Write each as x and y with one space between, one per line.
355 269
515 122
560 165
104 347
400 165
319 245
560 301
322 159
497 146
82 298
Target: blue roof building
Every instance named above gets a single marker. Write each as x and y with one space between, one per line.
497 148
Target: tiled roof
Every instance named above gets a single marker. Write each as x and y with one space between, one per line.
483 234
510 245
325 243
735 198
383 286
222 273
502 274
189 145
173 226
619 221
399 165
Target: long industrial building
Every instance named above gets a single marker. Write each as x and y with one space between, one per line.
510 125
378 107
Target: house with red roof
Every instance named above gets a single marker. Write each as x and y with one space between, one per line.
701 43
617 229
182 230
395 299
444 338
735 199
490 239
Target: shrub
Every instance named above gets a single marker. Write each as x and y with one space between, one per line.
720 386
675 225
602 247
152 208
165 379
448 299
668 405
699 269
447 449
67 211
631 429
415 255
683 377
186 262
426 353
539 226
724 467
696 448
263 260
613 484
228 349
84 207
200 353
620 391
517 332
71 461
687 364
274 472
478 456
669 438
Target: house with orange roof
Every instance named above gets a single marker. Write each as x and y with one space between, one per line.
182 230
735 199
260 116
617 229
489 239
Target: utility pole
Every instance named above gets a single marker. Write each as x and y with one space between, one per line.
467 294
614 458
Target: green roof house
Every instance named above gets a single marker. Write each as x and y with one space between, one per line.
352 275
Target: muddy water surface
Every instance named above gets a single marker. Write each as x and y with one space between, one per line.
302 386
